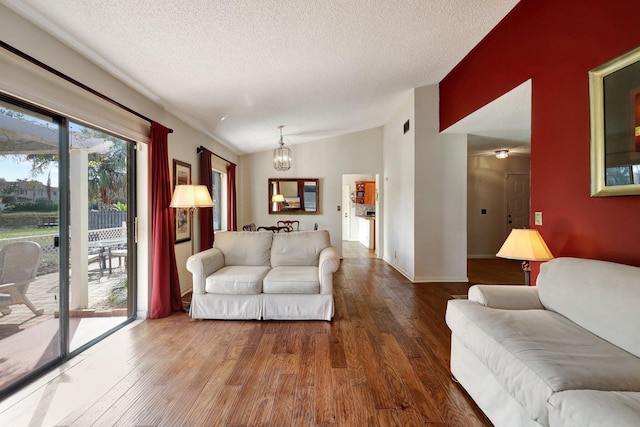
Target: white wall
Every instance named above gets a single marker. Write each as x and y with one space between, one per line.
440 195
486 190
327 159
398 181
28 38
425 193
183 143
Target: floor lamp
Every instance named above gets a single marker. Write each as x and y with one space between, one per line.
191 197
525 245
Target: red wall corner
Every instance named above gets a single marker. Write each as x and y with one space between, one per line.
555 43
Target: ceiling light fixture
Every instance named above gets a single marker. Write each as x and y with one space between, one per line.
282 155
502 154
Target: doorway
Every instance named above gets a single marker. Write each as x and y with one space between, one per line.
66 213
361 217
516 187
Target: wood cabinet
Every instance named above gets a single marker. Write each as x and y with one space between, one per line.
366 192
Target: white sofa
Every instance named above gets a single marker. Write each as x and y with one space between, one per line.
563 353
265 275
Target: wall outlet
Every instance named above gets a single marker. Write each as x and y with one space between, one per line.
538 218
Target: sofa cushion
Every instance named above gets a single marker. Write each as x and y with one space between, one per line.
291 280
535 353
298 248
238 280
244 247
599 296
587 408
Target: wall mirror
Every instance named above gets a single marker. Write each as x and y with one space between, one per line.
294 196
614 92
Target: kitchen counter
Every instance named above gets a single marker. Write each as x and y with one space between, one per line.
367 217
366 230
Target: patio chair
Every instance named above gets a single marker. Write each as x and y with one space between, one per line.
19 264
93 256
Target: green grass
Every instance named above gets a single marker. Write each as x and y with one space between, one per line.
9 234
35 214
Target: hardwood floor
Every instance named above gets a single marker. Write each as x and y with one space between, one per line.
382 361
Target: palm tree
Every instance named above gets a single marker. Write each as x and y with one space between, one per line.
108 174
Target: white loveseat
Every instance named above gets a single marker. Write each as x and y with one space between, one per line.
265 275
563 353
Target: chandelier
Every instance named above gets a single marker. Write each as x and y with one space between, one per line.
281 155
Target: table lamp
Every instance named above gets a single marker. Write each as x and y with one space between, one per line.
526 245
279 200
191 197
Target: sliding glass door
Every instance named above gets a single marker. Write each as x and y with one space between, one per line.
67 254
29 254
99 225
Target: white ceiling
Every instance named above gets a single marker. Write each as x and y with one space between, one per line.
237 69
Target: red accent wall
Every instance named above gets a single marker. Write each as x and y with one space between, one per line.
555 43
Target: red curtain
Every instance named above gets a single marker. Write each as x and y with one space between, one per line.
206 214
165 283
232 214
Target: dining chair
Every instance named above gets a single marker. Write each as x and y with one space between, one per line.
291 225
274 228
249 227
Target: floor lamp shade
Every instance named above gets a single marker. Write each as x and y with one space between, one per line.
526 245
191 196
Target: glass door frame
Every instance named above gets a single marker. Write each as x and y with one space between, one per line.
63 244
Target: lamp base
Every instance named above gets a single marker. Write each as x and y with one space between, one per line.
527 272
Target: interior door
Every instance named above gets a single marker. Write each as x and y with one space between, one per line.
346 205
517 201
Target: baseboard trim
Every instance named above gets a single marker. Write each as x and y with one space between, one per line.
454 279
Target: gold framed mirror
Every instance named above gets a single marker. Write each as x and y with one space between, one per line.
294 196
614 94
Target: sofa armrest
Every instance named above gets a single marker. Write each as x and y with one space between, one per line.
202 265
506 297
328 264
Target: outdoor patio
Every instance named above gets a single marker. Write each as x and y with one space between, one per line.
29 341
44 292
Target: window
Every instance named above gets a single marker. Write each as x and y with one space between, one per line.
219 196
623 175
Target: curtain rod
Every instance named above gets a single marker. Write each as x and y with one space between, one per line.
71 80
202 148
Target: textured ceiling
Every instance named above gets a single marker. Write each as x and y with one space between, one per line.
237 69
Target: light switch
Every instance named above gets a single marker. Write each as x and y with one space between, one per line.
538 218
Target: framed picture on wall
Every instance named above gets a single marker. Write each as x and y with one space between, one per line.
614 89
182 176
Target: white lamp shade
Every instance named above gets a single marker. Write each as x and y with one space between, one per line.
191 196
525 244
277 198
